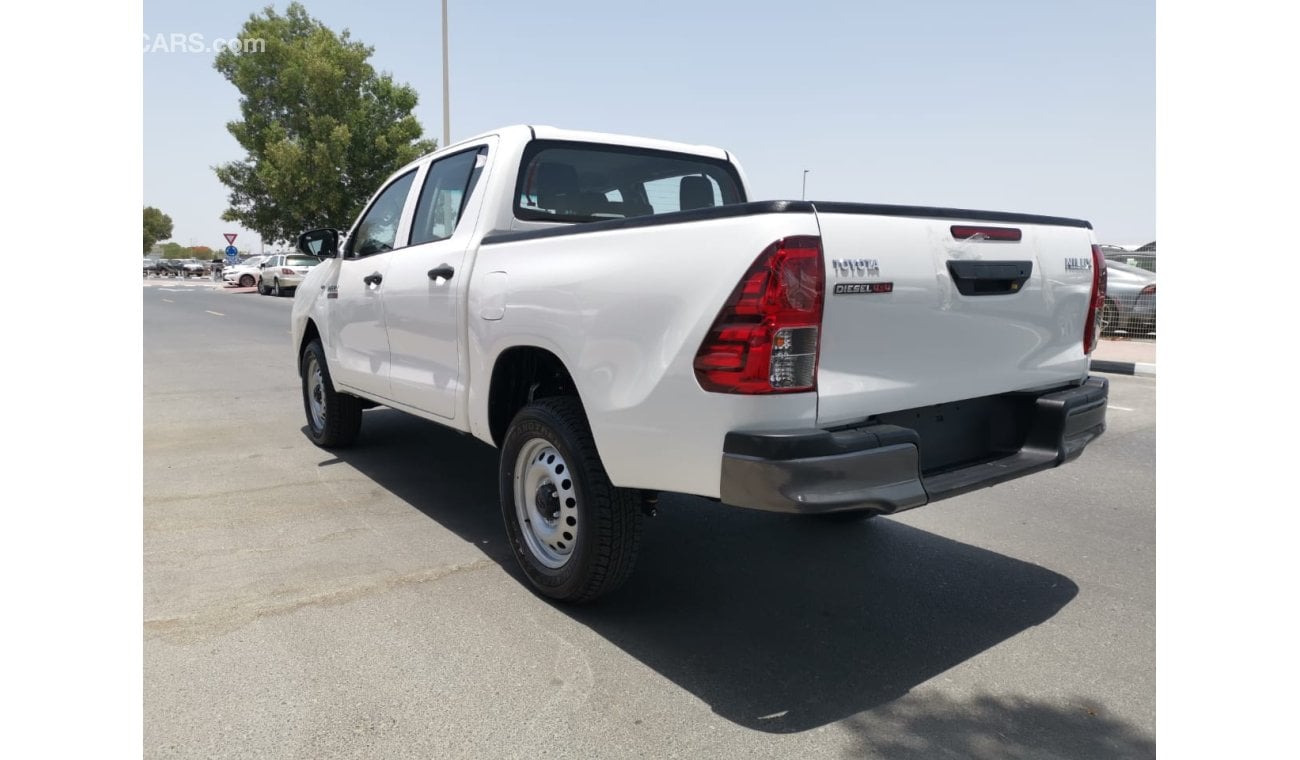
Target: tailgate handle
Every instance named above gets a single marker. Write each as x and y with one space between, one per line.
989 278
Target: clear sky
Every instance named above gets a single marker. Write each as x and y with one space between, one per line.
1041 107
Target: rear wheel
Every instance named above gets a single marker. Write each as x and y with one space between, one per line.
333 418
246 281
573 533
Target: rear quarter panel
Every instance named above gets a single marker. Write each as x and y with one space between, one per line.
626 310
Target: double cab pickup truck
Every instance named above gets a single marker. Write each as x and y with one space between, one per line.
619 318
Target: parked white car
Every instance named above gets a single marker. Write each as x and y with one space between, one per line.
619 319
246 274
283 272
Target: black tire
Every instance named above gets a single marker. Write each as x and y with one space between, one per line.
849 516
275 288
339 418
246 281
608 519
1110 319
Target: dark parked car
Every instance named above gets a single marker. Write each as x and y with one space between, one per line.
1130 300
167 268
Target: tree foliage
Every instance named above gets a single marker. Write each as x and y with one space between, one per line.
157 226
321 128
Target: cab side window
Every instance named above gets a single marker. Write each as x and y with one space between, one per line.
447 186
377 231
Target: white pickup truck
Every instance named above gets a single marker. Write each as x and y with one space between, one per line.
619 318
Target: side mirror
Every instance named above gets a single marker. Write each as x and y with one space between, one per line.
323 243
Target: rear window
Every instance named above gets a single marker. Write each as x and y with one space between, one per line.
587 182
301 261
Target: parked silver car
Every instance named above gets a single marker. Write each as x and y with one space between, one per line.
1130 300
245 274
283 272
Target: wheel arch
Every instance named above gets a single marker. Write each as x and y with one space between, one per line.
520 375
309 333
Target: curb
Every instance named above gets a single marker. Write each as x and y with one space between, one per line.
1142 369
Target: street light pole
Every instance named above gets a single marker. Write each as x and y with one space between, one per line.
803 194
446 96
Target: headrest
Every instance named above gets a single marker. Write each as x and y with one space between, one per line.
697 192
554 180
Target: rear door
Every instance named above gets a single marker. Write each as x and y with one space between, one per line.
926 308
426 284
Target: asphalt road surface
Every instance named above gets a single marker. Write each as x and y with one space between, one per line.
302 603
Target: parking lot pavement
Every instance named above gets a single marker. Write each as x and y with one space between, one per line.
307 603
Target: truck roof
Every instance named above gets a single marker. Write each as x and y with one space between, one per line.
525 132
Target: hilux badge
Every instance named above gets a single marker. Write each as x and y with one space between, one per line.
1078 264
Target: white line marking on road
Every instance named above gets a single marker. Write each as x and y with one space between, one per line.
219 314
168 300
1120 408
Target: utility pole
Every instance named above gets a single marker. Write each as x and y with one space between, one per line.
803 194
446 96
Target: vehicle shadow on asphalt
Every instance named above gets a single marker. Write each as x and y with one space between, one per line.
779 623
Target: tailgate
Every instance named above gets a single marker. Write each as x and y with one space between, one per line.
919 312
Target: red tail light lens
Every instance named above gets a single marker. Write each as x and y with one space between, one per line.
1149 290
1096 303
286 270
767 336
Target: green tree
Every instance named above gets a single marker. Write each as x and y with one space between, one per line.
173 251
157 226
322 129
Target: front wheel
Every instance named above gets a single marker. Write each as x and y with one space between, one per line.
333 418
246 281
574 534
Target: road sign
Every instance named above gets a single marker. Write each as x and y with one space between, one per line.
232 253
230 237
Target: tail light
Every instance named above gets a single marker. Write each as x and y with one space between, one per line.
1097 303
1149 290
965 232
767 335
286 270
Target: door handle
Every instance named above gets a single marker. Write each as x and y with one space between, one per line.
373 279
988 278
445 271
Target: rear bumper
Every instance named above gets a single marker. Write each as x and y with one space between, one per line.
877 467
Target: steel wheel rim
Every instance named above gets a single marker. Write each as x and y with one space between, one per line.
546 503
316 394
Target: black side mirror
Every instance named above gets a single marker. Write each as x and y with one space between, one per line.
323 243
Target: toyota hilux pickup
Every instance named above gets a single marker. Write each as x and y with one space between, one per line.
619 318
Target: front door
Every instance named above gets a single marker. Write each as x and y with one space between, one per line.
356 318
